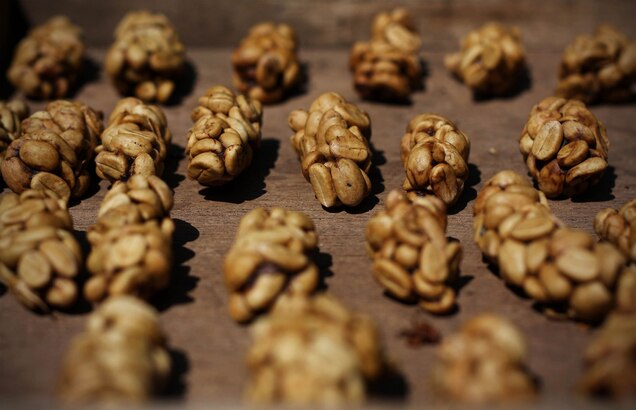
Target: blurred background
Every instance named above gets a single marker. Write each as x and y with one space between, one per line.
547 25
328 23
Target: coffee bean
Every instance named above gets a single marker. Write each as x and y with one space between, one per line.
565 270
333 149
146 57
122 339
484 362
412 258
48 60
266 66
225 136
564 147
434 161
597 67
38 261
318 340
269 260
490 59
387 67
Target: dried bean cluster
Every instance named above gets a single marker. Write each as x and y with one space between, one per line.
598 67
11 115
266 66
388 66
484 362
609 358
120 356
226 132
147 56
619 228
40 259
313 351
435 157
54 150
131 241
48 61
566 270
412 258
331 140
270 259
564 146
491 60
135 141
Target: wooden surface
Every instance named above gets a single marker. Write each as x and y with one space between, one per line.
337 23
208 347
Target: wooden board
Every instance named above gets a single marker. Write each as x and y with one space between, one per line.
547 24
209 347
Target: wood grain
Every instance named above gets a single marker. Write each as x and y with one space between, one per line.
548 24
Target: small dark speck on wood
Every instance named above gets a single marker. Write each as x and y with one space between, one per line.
420 333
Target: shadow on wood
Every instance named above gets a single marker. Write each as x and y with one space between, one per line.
182 283
324 261
602 191
175 154
391 386
89 73
184 84
94 186
180 365
469 193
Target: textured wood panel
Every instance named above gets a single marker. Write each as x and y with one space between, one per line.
547 24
